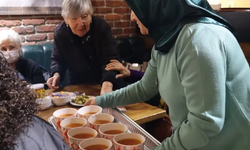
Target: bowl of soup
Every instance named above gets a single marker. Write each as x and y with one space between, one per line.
70 123
95 121
78 135
129 141
87 111
61 114
96 144
109 131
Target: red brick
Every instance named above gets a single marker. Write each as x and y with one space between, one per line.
97 3
122 10
46 28
132 24
8 23
122 36
122 24
129 30
99 15
113 17
111 23
113 3
30 29
116 31
29 43
54 21
103 10
124 3
51 36
36 37
33 21
44 42
126 17
23 30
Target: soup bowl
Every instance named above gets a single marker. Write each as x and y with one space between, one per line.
70 123
61 114
78 135
109 131
129 141
95 121
96 144
86 111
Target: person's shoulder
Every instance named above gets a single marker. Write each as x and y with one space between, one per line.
99 23
203 30
61 29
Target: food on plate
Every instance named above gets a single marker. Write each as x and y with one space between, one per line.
59 94
80 99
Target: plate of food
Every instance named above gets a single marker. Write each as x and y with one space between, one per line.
79 100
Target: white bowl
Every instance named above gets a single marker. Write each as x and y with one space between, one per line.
44 103
60 101
84 111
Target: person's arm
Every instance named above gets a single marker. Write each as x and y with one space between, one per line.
202 66
108 52
37 74
57 63
137 92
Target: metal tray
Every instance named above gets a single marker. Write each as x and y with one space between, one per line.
133 127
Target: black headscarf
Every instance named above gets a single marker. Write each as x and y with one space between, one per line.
165 18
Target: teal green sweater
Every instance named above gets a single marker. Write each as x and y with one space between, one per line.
205 81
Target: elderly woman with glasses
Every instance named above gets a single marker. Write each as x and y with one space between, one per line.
83 45
10 46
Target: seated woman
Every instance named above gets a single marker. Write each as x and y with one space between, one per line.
20 129
10 46
83 45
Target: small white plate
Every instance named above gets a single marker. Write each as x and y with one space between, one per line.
79 105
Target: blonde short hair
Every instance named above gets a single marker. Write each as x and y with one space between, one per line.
72 8
10 35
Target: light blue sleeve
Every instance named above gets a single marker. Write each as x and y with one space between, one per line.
201 61
137 92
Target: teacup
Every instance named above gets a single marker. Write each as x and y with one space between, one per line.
78 135
96 143
70 123
109 131
95 121
86 111
129 141
62 114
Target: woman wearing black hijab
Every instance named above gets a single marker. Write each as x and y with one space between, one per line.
200 71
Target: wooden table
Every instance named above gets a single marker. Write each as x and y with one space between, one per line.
139 112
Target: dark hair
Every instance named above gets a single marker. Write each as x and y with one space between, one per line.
17 106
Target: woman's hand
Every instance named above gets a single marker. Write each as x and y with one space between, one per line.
117 66
54 81
106 87
91 101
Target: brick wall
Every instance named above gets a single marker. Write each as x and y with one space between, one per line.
39 29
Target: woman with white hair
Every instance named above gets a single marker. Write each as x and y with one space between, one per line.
83 45
10 46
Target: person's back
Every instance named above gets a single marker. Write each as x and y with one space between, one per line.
41 136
